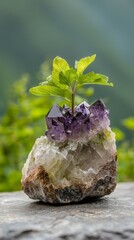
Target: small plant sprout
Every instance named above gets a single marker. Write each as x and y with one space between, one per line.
65 81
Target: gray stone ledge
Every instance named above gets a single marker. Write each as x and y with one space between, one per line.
109 218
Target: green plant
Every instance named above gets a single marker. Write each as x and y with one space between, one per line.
125 151
65 81
126 161
19 127
22 123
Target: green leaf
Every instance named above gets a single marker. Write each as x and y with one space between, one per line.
60 65
71 75
46 90
68 77
83 63
60 82
48 81
94 78
50 90
67 95
63 79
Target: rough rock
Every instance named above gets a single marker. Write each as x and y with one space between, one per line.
69 173
83 165
109 218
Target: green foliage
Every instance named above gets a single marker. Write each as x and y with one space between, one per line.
119 134
83 63
20 126
128 123
65 81
125 152
27 29
126 161
24 122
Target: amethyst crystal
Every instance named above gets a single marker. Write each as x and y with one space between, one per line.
87 121
77 158
56 124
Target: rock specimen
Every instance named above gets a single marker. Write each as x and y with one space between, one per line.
76 159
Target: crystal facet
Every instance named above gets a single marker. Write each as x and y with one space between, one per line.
85 123
55 122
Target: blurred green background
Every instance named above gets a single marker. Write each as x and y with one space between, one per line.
34 31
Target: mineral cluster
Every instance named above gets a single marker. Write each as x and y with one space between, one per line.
86 122
76 158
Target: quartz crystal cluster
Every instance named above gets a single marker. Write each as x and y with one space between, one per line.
76 158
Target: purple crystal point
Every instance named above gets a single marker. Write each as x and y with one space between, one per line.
98 109
55 123
99 115
83 104
55 111
81 122
86 122
82 108
99 103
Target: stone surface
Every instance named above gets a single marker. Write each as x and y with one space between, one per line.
109 218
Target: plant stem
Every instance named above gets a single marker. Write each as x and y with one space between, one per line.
73 103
